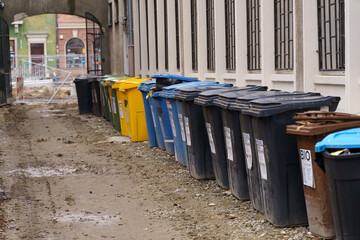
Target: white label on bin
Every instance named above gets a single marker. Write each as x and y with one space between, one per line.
114 104
261 158
168 103
153 115
248 153
109 105
126 114
211 139
172 123
187 131
121 110
229 148
182 127
307 168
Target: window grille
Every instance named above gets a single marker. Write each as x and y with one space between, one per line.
284 35
166 36
230 34
194 26
177 34
147 34
331 27
253 34
156 35
210 29
140 56
110 12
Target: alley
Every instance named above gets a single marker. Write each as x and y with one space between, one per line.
71 176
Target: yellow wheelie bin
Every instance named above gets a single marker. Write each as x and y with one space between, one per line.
133 116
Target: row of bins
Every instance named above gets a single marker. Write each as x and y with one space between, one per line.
251 140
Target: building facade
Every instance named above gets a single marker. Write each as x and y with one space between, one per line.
302 45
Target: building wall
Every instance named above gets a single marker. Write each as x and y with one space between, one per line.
40 24
305 75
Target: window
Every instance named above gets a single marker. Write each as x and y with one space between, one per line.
331 17
156 35
230 34
253 34
284 38
140 58
12 54
194 46
75 53
110 16
210 29
147 34
116 11
177 34
166 36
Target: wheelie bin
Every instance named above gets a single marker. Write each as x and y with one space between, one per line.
168 94
116 112
312 127
154 139
198 147
159 107
95 96
276 154
215 131
131 109
341 157
83 92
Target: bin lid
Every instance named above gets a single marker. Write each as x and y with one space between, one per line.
243 102
225 100
82 78
313 123
171 76
129 83
340 140
147 85
189 94
207 98
265 107
176 88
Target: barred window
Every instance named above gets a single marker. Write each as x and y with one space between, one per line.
194 31
210 29
177 34
253 34
156 35
166 36
331 18
140 58
147 33
110 14
230 34
116 11
284 35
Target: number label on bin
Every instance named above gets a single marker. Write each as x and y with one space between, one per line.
121 110
153 115
182 127
248 153
211 139
114 104
307 168
172 123
261 156
229 148
187 131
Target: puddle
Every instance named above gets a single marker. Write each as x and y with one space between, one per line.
117 139
87 217
33 172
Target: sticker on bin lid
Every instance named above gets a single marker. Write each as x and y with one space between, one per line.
340 140
307 168
187 131
229 148
261 158
248 153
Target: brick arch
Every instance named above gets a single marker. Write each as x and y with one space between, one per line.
18 9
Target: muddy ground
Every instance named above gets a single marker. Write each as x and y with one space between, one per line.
71 176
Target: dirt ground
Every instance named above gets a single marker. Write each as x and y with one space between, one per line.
71 176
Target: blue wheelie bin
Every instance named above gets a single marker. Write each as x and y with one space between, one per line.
179 137
155 139
277 156
159 108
